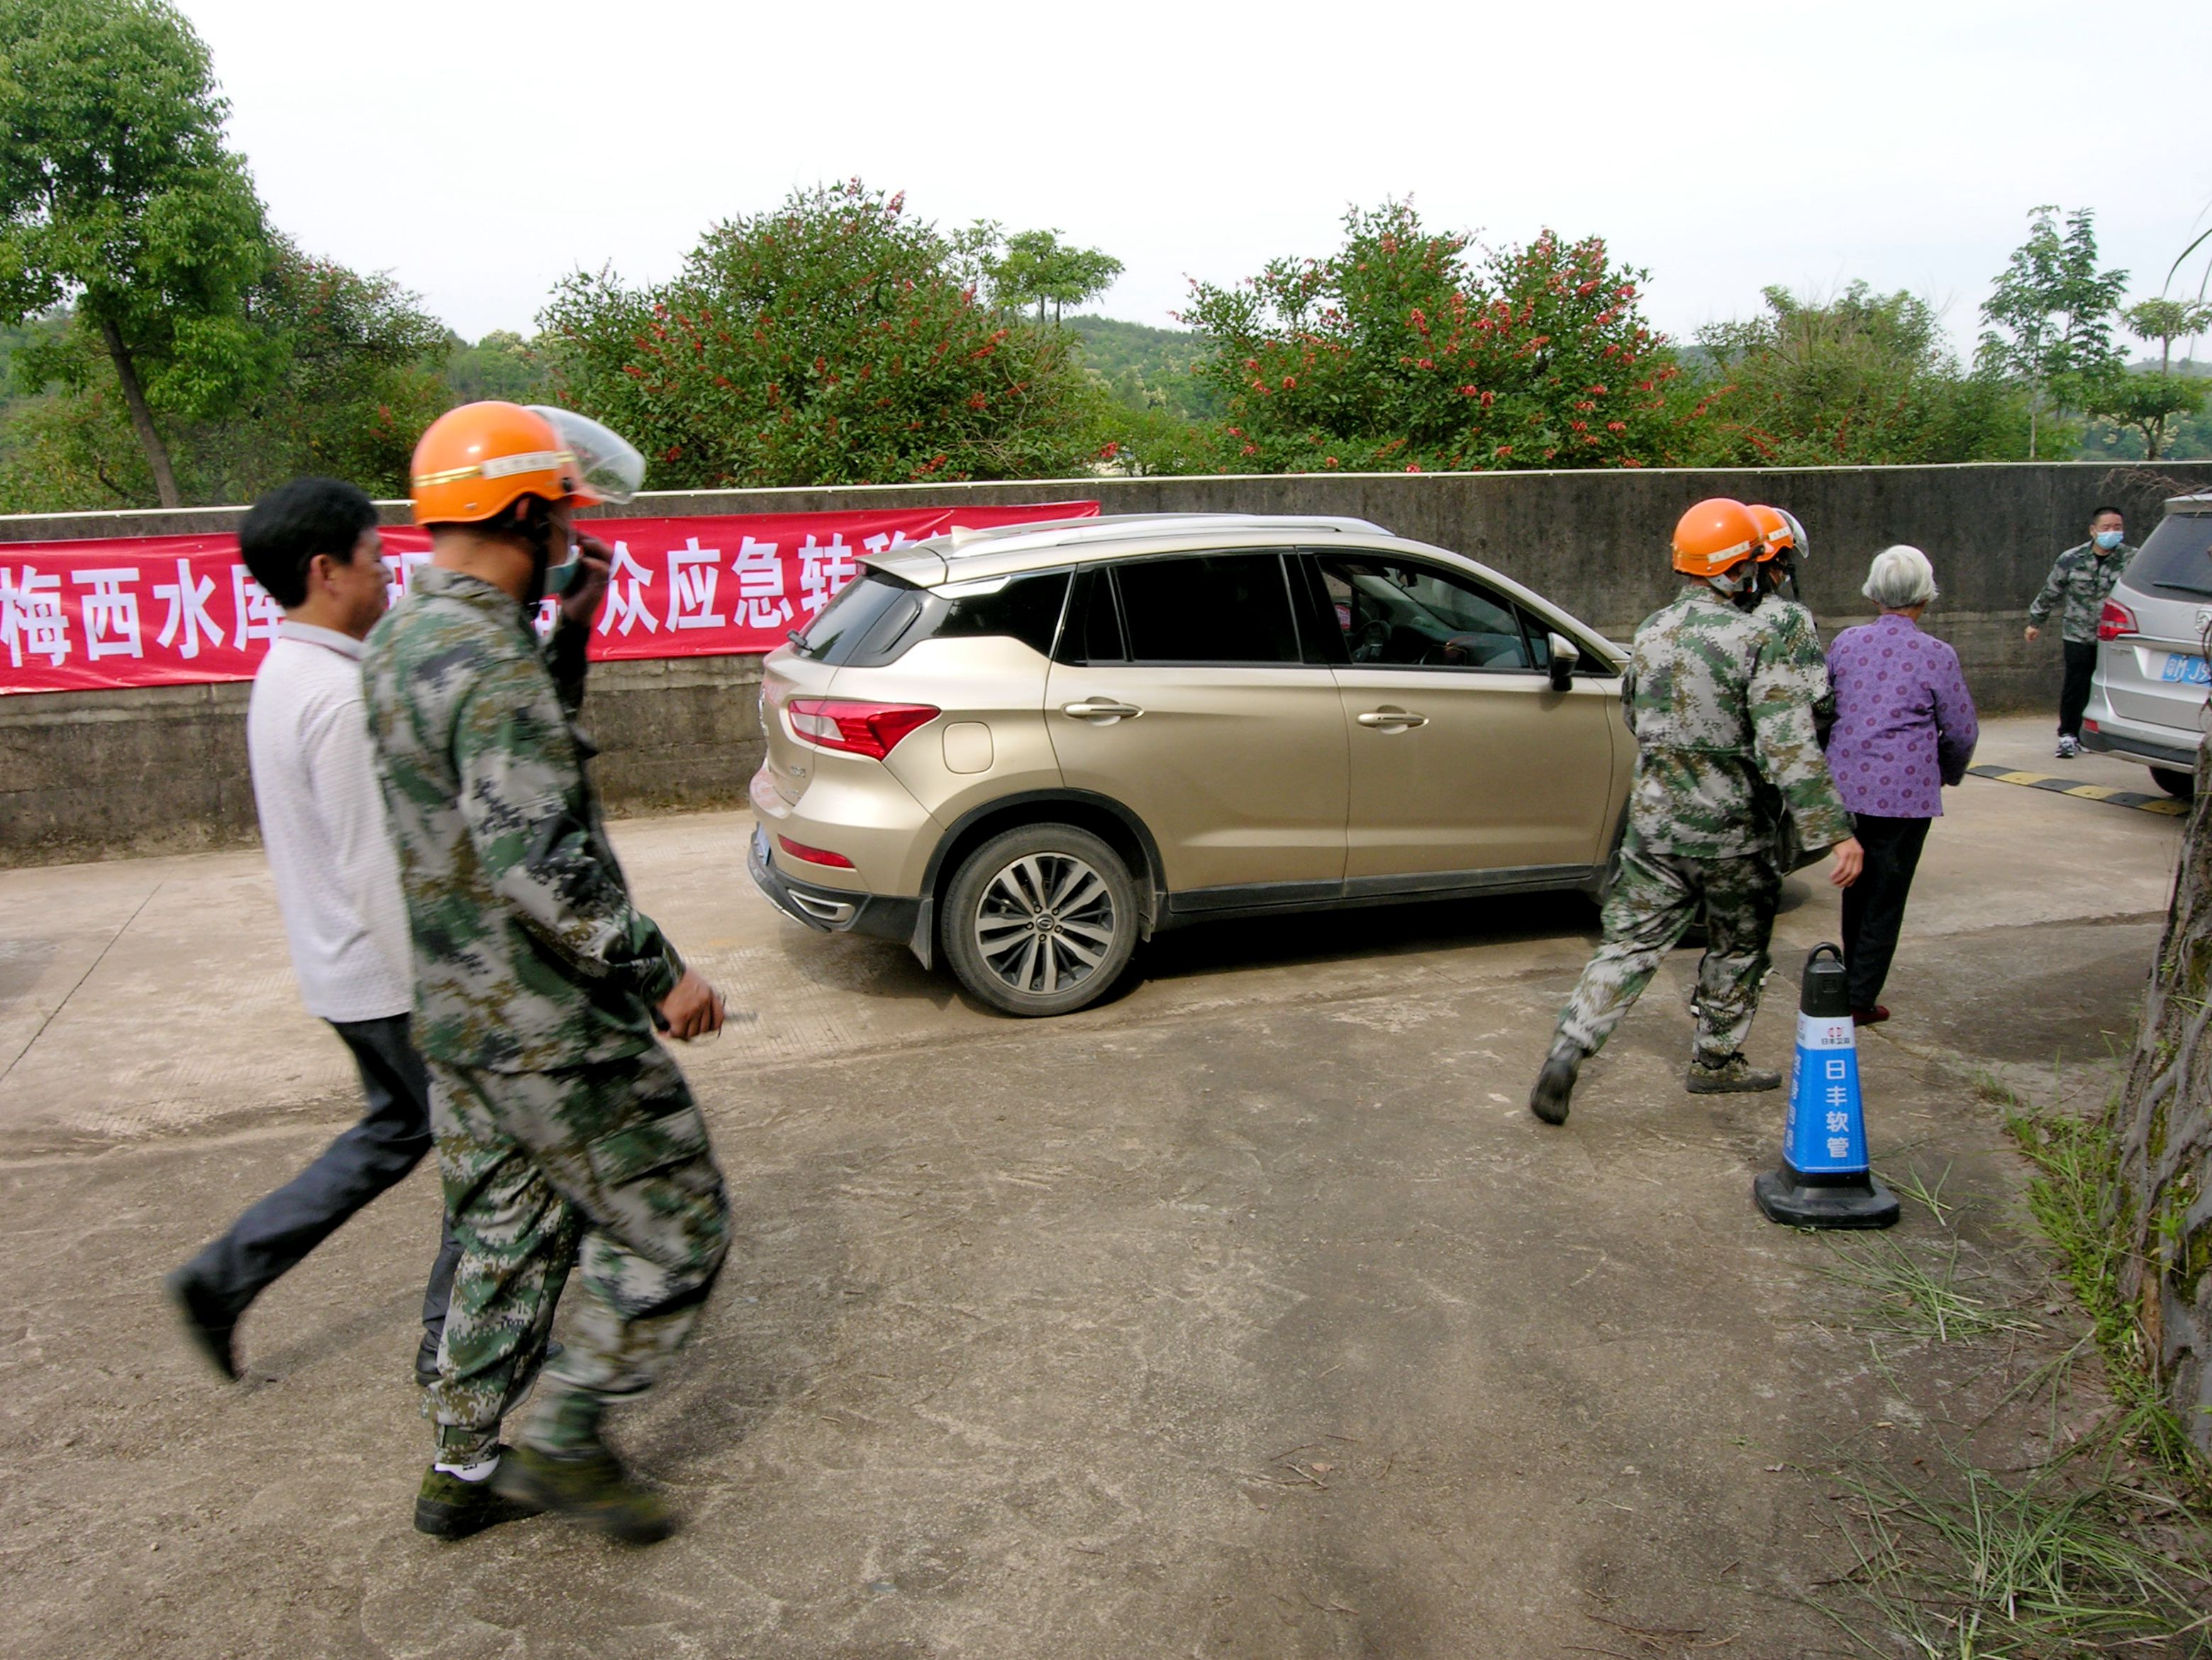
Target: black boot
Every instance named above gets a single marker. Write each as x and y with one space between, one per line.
1555 1084
210 1322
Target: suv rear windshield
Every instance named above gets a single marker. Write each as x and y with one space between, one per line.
2178 556
879 619
836 634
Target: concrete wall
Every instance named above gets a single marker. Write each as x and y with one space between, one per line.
95 774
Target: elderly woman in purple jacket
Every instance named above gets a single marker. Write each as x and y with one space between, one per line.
1905 728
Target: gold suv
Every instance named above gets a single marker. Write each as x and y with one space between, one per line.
1027 748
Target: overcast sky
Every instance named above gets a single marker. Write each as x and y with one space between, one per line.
477 151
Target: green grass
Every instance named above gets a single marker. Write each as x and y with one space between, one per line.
2102 1549
2077 1167
2064 1563
1911 1297
1916 1187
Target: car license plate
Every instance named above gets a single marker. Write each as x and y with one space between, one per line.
2184 668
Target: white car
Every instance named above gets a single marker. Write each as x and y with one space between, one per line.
2147 700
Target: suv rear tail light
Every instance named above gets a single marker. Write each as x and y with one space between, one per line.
2114 620
814 855
869 729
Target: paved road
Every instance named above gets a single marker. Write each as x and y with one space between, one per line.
1250 1314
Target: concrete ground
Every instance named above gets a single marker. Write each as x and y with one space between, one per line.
1249 1314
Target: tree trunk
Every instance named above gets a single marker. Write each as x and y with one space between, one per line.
2034 401
2162 1205
141 418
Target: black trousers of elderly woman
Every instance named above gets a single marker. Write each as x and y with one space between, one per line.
1874 906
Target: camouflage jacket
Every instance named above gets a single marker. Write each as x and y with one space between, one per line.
1723 701
529 956
2076 588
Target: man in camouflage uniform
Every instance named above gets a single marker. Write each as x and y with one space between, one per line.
565 1134
2080 581
1721 702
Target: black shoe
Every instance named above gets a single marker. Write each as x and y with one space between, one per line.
589 1486
450 1508
1555 1084
210 1323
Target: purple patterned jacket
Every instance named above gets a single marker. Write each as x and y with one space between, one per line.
1904 723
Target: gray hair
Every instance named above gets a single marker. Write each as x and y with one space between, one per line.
1900 577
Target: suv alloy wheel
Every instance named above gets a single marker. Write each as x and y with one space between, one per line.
1041 920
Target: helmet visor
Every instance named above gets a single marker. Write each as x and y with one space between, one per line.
607 464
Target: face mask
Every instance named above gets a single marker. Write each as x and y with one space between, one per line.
550 578
2108 539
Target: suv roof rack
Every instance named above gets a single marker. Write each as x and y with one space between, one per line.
1110 527
963 556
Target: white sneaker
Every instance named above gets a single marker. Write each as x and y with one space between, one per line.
2069 748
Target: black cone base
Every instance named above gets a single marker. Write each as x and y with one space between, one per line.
1786 1197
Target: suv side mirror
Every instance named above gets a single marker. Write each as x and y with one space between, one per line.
1565 656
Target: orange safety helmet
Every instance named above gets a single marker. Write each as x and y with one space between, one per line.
480 459
1715 537
1781 531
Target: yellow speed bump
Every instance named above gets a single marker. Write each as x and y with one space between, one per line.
2165 806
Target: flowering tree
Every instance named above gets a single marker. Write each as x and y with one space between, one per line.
831 341
1395 354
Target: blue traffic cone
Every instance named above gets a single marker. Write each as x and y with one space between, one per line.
1824 1181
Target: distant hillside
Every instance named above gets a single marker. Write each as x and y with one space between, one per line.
1144 367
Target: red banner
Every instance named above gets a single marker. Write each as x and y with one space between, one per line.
170 611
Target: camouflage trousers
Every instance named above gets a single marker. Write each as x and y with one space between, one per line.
1654 897
605 1168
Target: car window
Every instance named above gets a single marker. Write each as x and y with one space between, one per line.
1026 609
2179 556
1207 608
1405 615
1093 634
872 605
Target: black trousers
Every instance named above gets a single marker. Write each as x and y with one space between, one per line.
2073 696
277 1232
1874 906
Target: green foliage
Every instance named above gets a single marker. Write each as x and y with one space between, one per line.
2050 315
1862 379
356 379
1038 269
2152 406
502 365
1148 368
2167 322
1394 353
831 341
117 192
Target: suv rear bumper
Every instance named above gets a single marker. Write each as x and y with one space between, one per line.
831 910
2126 745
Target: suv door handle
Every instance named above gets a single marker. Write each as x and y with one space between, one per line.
1392 719
1098 709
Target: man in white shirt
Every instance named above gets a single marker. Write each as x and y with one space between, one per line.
312 544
